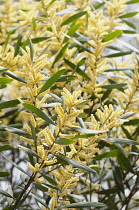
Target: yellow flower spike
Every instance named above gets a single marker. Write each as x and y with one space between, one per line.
29 141
59 110
31 167
37 167
41 152
39 180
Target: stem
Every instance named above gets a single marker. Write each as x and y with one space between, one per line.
133 191
24 190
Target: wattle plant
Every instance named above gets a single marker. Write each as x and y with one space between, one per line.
69 120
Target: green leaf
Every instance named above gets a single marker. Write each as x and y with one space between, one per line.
64 141
77 69
107 192
132 2
118 54
114 86
18 44
39 200
72 31
125 163
4 173
126 115
2 69
87 131
121 141
5 147
131 25
60 54
49 179
126 132
7 39
112 35
75 163
129 32
132 122
16 130
112 153
14 164
99 5
39 113
51 186
5 80
8 104
73 18
51 80
29 151
66 78
41 187
39 39
128 15
120 149
31 49
5 193
117 176
14 76
79 44
84 204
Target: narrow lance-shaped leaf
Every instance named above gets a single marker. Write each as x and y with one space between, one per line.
37 198
132 122
112 153
5 147
16 130
72 31
125 163
77 69
132 2
64 141
39 39
14 164
117 176
79 44
8 104
84 204
83 130
114 86
5 80
60 54
29 151
131 25
31 49
39 113
2 69
51 80
49 179
75 163
14 76
121 141
4 173
7 39
118 54
5 193
128 15
73 18
17 45
111 35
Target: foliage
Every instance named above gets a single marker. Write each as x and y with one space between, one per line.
69 129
